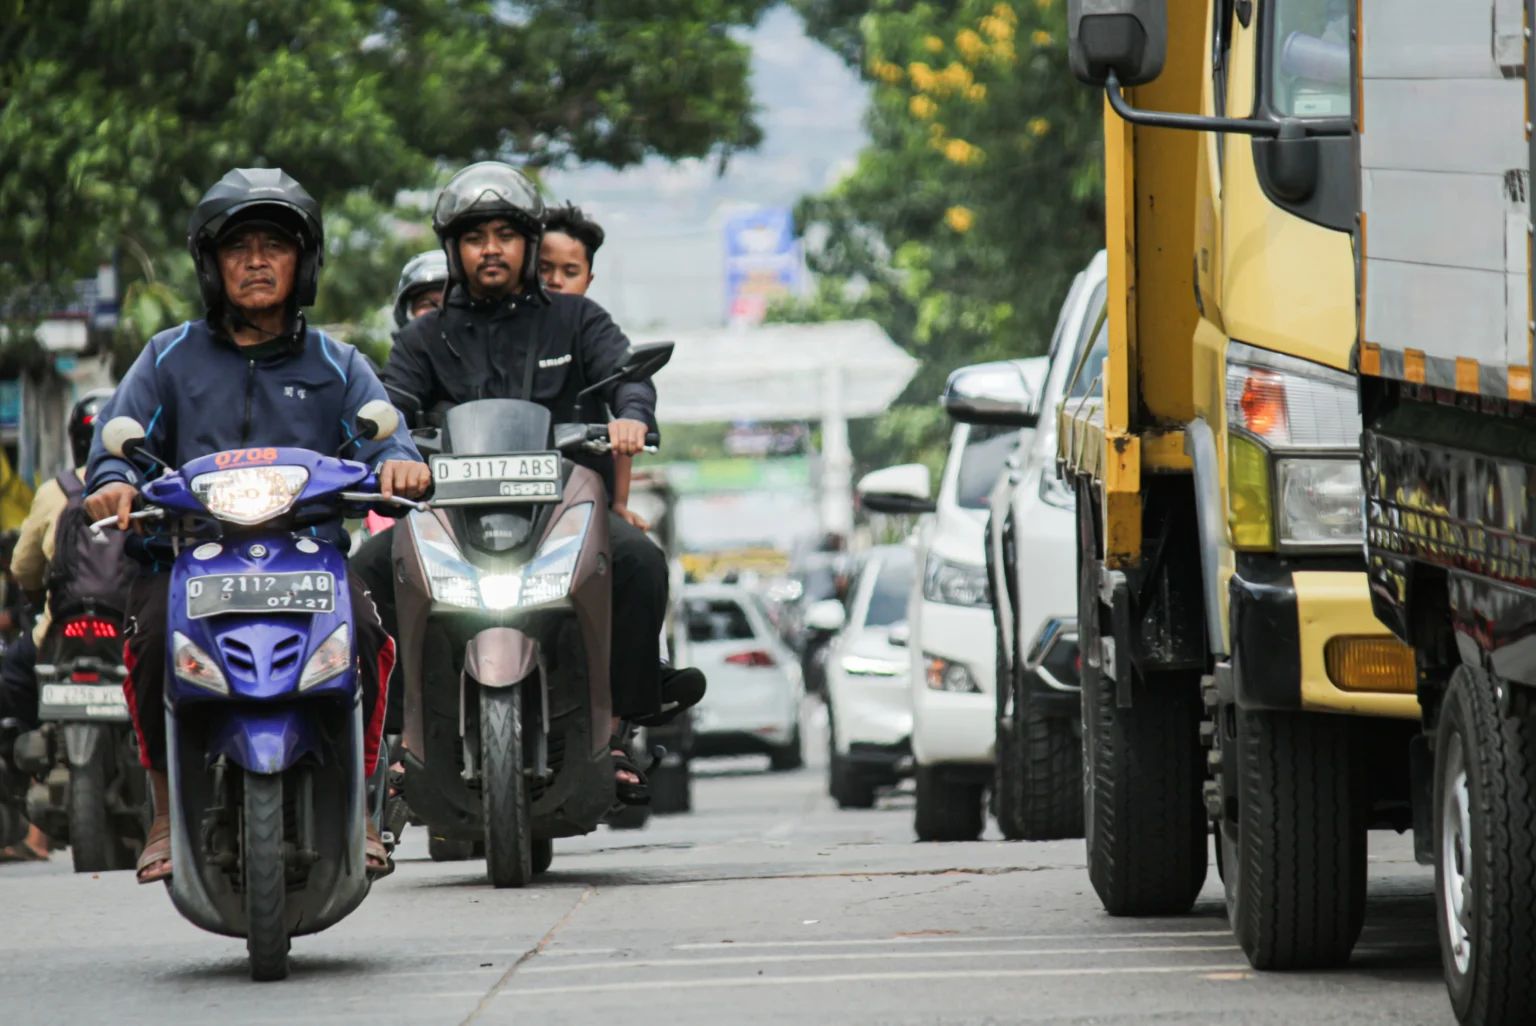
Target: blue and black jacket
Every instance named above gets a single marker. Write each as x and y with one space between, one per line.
196 392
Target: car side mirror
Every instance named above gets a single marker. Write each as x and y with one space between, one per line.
991 393
377 419
1128 38
122 436
826 616
901 489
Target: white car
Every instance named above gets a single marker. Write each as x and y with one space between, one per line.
951 633
1038 785
753 702
869 700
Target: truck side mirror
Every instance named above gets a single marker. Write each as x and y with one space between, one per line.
1126 37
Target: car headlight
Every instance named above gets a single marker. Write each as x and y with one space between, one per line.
250 495
947 675
545 578
194 666
1293 473
332 657
954 584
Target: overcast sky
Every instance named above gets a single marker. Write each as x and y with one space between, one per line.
662 264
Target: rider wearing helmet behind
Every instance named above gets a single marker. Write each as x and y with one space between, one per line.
422 282
250 373
500 334
30 563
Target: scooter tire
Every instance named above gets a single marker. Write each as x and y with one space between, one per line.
265 873
504 788
92 846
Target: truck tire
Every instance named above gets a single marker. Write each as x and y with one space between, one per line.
1485 846
1050 800
264 873
504 788
441 849
543 855
949 807
1294 853
1145 828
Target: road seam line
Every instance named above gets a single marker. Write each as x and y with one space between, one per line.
544 941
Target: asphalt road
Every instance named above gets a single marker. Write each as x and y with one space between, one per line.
766 905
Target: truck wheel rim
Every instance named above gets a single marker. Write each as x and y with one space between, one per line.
1456 855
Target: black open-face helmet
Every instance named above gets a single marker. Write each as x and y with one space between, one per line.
483 191
427 270
251 195
82 423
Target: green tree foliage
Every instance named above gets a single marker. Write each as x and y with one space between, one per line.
976 201
115 115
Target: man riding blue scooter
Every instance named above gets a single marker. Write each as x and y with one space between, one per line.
251 373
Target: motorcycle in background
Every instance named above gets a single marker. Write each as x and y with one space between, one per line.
89 789
265 744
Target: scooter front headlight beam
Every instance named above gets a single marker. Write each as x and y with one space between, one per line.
545 578
250 495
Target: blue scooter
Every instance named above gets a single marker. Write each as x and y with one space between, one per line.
264 718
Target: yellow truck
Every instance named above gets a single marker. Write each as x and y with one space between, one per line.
1236 677
1443 243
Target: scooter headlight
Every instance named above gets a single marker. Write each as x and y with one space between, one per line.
332 657
545 578
194 666
250 495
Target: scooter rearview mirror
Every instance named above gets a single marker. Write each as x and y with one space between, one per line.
122 436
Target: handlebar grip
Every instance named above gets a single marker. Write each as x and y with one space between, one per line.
652 440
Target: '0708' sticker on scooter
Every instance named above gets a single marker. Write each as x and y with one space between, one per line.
515 477
296 592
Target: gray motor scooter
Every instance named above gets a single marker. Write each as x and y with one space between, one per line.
505 604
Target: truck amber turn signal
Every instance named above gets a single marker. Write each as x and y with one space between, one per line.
1370 664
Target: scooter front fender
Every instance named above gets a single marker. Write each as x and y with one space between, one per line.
499 657
263 740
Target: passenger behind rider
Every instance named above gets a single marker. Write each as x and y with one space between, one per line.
501 335
423 280
251 373
29 568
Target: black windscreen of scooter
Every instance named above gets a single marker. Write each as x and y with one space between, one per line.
491 427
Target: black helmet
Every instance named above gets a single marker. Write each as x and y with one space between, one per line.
256 194
427 270
82 423
483 191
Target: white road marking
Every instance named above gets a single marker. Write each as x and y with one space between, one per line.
949 939
685 963
796 981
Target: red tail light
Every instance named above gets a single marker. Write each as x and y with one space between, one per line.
92 627
755 658
85 677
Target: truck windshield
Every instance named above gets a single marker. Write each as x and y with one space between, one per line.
1309 58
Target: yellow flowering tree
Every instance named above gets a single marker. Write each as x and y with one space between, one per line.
977 199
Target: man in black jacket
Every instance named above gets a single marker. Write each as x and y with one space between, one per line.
501 335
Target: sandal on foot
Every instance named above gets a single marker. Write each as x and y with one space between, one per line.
628 792
155 860
376 860
21 851
681 690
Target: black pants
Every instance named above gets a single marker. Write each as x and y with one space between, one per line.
639 609
146 666
18 681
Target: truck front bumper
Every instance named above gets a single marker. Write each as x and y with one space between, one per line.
1282 619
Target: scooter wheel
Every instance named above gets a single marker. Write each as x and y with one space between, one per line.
265 873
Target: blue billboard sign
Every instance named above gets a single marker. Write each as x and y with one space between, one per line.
762 262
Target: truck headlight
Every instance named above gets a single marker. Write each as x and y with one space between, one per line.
1319 501
954 584
1293 474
